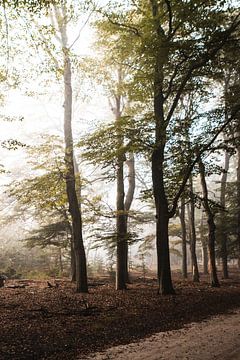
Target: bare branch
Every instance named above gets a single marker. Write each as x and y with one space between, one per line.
81 29
176 70
169 7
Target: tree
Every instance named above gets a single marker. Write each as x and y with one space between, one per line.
173 44
203 239
192 232
184 238
224 253
106 147
42 197
115 151
60 19
211 228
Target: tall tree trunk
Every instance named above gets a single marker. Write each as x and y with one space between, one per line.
184 238
72 254
80 257
223 235
123 204
73 263
60 261
130 162
238 201
162 215
81 268
157 160
211 228
121 231
204 246
121 275
193 237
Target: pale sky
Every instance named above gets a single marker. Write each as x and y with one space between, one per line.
43 114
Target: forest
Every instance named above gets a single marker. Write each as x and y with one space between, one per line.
119 171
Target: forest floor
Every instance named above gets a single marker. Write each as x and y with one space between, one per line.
215 338
42 322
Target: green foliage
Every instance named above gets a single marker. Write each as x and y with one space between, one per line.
55 234
43 194
193 32
31 5
12 144
102 146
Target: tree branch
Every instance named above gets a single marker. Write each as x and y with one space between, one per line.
198 156
224 36
170 15
132 29
81 29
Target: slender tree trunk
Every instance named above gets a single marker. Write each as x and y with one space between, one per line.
121 230
238 201
81 269
211 228
193 238
72 254
130 162
184 239
80 257
73 263
60 261
121 275
205 258
204 247
223 235
123 204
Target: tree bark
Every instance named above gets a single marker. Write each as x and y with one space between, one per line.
72 254
73 263
211 228
193 237
130 162
204 247
123 203
238 200
121 275
223 235
162 239
80 257
1 282
184 238
157 160
121 230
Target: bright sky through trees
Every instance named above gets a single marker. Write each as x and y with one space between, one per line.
41 113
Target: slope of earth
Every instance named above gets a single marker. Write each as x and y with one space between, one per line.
39 322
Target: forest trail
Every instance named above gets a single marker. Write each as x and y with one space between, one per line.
216 338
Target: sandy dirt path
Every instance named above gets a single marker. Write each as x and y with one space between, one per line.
216 338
